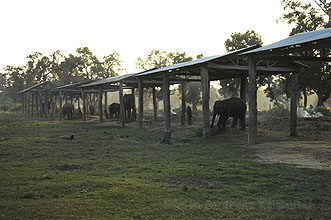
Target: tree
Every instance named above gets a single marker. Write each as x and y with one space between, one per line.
15 81
112 65
158 59
231 87
87 63
305 18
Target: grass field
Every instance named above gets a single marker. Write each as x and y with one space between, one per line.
110 173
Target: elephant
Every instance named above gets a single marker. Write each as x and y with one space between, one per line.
233 107
92 109
129 107
68 109
114 110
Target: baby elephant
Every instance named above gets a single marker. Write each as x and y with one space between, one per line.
68 109
114 110
233 107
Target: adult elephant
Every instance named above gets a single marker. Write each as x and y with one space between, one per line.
68 109
114 110
129 107
233 107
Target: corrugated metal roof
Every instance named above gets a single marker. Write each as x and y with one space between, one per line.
294 40
110 80
37 85
196 62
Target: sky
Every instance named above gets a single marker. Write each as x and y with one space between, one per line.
131 27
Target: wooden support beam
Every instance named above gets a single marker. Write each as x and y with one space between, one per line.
166 103
154 103
29 104
294 103
205 87
258 68
46 104
51 105
84 105
60 104
182 116
122 113
41 105
100 104
106 101
134 113
243 87
37 104
140 102
252 102
32 104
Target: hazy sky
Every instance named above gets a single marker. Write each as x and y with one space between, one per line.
131 27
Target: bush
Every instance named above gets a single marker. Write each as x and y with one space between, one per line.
279 112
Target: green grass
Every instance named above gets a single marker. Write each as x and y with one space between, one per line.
111 173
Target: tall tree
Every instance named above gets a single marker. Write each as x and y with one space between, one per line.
159 59
305 18
15 81
112 64
87 62
231 87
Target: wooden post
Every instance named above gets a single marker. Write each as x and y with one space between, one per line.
134 114
182 118
41 105
46 104
122 116
106 101
60 104
140 103
71 98
205 87
154 104
84 105
252 102
100 105
32 103
51 105
29 104
23 103
294 103
37 104
166 103
243 87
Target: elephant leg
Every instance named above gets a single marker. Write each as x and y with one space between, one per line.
234 122
219 122
212 121
224 120
242 123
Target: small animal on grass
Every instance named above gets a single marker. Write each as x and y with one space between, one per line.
114 110
233 107
68 109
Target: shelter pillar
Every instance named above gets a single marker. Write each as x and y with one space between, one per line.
84 105
106 101
134 113
46 104
29 103
100 104
294 103
252 102
32 103
37 104
52 105
122 112
182 117
140 102
205 87
243 87
60 104
154 104
41 104
166 103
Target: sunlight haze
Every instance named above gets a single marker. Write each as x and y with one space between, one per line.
132 28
